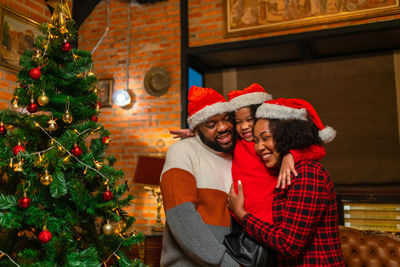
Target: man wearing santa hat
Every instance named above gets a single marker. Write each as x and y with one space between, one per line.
194 183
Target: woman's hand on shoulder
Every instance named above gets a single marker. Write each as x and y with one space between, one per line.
287 167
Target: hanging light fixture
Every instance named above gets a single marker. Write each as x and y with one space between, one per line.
123 97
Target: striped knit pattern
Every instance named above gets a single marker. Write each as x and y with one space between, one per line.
194 184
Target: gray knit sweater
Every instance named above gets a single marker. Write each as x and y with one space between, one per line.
194 183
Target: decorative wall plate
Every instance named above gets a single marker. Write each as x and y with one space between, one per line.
157 81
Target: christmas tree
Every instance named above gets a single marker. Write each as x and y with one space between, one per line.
61 199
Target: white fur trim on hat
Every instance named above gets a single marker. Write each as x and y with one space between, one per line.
272 111
249 99
327 134
207 112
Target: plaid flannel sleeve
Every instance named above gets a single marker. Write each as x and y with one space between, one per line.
301 208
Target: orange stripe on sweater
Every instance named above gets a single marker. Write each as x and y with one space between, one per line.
213 207
179 186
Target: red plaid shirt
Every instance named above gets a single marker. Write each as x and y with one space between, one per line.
305 214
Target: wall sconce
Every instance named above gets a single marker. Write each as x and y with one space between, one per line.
121 97
148 172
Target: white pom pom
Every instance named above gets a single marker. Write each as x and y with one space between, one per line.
327 134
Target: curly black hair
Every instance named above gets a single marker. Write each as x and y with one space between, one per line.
293 134
253 109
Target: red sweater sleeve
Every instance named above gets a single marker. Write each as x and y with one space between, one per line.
313 152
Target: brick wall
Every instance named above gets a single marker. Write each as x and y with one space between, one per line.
154 41
206 24
36 10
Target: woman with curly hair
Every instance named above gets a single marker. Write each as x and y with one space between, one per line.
305 230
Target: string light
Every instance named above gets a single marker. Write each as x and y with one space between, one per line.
35 153
93 130
5 254
67 158
113 254
58 143
60 147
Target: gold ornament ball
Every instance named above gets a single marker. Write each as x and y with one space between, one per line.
43 100
46 179
67 117
90 74
107 229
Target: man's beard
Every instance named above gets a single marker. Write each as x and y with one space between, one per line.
217 146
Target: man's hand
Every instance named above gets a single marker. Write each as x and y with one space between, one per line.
287 167
236 202
181 133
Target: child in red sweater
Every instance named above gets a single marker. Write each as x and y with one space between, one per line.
258 188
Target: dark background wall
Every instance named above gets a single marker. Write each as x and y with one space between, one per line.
354 95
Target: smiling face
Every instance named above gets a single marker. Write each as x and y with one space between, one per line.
244 123
265 144
217 133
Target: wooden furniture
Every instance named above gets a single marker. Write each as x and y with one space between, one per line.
149 252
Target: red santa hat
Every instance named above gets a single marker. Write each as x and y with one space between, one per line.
298 109
205 103
252 95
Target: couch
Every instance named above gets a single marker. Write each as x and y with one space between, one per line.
369 248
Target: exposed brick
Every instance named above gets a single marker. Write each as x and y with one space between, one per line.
7 96
10 77
155 41
4 85
3 104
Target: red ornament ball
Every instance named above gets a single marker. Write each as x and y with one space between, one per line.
24 202
107 195
45 236
95 119
106 140
99 104
76 151
17 149
35 73
32 107
66 47
3 129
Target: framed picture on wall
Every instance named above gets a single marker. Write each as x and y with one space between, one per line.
244 17
17 33
105 87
